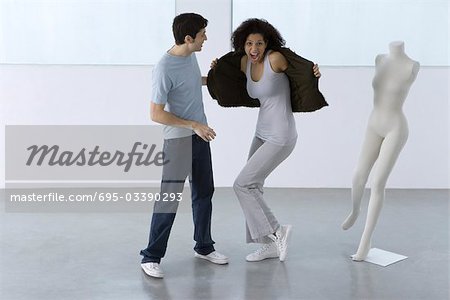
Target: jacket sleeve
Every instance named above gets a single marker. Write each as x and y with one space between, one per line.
228 85
305 93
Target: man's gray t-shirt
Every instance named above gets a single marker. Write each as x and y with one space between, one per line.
177 83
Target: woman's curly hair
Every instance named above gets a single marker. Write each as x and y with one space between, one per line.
270 34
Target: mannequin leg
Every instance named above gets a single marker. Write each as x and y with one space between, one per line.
368 156
390 150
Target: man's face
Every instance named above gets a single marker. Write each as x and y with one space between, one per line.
200 38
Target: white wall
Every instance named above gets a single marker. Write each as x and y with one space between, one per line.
329 140
360 28
84 31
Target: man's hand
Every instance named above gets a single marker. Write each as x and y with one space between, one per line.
159 115
214 63
203 131
316 71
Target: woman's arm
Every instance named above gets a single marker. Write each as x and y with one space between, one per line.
278 62
244 63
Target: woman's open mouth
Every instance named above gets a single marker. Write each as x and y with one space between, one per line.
254 57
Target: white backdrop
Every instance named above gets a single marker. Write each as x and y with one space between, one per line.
352 32
329 140
84 31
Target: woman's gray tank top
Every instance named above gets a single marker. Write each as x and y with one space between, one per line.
276 123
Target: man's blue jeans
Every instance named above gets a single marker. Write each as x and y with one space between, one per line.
181 163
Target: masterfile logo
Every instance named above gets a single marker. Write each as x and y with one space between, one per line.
84 152
55 156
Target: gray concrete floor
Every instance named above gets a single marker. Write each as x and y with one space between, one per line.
95 256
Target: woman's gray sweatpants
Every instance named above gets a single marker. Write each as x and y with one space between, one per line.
263 158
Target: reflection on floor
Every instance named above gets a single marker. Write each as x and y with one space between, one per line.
95 255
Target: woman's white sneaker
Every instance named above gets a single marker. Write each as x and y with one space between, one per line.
266 251
281 239
152 269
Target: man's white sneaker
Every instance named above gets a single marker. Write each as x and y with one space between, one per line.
266 251
281 239
152 269
214 257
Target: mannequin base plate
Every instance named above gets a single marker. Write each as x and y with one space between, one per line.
383 258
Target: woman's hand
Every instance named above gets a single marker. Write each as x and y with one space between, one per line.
316 71
213 63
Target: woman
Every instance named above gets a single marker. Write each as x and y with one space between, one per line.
259 47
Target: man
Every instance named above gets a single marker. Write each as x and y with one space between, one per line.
177 103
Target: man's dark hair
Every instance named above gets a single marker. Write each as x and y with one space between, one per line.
187 24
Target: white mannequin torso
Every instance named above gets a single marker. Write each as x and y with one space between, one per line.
394 75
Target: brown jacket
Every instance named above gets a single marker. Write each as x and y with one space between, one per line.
228 85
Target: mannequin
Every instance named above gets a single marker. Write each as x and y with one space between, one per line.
386 134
